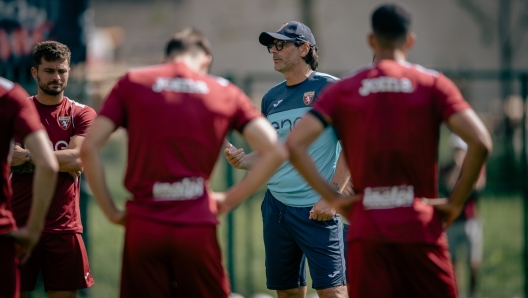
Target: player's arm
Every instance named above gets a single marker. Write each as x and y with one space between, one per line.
470 128
263 138
69 159
44 181
322 210
95 139
304 134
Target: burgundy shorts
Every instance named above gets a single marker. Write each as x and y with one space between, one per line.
161 260
9 277
399 270
63 261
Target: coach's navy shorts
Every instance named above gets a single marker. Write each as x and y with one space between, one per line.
290 237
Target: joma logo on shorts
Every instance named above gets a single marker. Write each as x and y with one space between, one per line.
188 188
385 84
180 85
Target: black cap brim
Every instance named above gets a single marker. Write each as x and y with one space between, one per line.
267 38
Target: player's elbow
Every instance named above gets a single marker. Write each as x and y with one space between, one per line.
47 166
280 153
87 149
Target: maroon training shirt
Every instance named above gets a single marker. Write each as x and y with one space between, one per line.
62 122
389 116
176 121
17 117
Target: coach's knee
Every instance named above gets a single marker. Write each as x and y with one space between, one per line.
335 292
299 292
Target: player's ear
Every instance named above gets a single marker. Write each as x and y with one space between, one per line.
34 72
410 40
206 63
371 39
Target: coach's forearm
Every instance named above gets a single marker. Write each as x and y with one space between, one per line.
341 174
69 160
250 160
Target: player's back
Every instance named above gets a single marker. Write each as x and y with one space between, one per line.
389 117
176 121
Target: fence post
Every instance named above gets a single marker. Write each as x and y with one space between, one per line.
524 178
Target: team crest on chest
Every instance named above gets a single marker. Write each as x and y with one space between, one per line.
64 122
308 97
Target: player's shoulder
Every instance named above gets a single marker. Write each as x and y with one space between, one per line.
420 70
78 107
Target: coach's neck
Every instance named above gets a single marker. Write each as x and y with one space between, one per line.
298 74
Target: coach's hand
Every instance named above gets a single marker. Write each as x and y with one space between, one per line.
234 156
26 239
322 211
447 209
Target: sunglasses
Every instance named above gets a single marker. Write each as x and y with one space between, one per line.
279 45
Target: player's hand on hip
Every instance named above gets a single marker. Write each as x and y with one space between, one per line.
221 204
447 209
119 217
343 204
26 240
20 156
234 156
322 211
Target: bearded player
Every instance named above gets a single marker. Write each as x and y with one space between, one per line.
389 115
61 254
18 117
176 116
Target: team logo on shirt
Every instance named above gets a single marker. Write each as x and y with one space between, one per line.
308 97
64 122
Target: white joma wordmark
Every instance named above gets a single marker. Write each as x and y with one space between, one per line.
278 103
333 274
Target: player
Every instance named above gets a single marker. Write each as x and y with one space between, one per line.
176 116
61 254
389 115
467 228
19 117
297 223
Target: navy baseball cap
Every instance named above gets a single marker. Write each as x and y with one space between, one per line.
291 31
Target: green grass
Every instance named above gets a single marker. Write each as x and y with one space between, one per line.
501 274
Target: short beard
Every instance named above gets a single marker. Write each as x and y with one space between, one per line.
45 89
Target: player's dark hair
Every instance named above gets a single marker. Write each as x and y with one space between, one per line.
311 58
391 24
187 40
50 51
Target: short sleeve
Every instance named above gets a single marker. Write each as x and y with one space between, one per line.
245 111
27 119
83 120
449 99
326 102
264 105
114 107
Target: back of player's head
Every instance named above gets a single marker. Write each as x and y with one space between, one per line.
188 40
391 23
51 51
